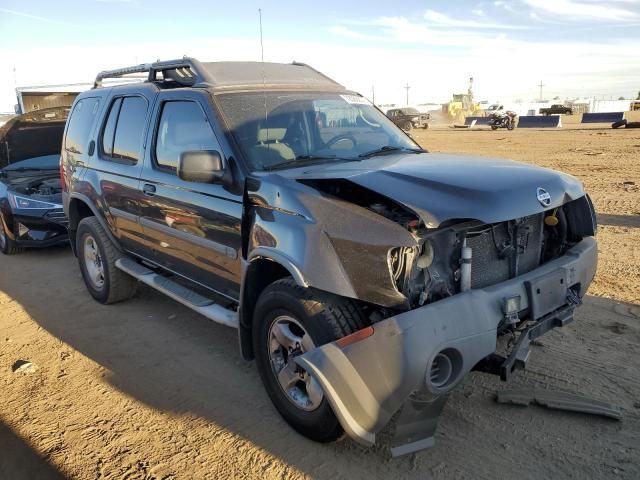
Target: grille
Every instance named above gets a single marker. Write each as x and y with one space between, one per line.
489 267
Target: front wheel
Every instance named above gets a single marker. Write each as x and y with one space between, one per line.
7 245
290 320
97 258
406 126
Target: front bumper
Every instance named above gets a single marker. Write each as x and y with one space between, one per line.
38 228
368 381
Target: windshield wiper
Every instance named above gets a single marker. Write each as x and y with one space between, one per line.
301 160
390 148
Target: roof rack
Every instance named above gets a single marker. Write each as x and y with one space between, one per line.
185 71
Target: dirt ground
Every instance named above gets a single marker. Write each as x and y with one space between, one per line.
149 390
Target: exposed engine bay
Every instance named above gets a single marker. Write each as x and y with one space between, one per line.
463 254
43 189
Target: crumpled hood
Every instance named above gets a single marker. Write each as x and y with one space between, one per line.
440 187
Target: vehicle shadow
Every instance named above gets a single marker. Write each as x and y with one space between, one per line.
19 461
632 221
167 357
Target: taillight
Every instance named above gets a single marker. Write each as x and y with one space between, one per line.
63 181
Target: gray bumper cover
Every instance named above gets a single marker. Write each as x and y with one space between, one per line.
368 381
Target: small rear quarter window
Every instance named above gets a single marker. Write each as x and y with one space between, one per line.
80 124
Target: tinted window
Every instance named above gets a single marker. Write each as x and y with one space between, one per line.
80 125
183 126
110 128
130 128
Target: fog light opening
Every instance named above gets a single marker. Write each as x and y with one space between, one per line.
441 370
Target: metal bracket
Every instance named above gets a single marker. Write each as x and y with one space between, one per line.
519 356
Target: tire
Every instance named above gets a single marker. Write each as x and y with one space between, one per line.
7 245
116 285
325 318
406 126
425 126
494 127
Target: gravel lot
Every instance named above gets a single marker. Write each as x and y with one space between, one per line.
149 390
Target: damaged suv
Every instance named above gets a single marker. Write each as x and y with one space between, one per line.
365 276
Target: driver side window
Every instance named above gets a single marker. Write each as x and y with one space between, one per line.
183 127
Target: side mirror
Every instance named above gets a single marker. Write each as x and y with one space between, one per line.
202 166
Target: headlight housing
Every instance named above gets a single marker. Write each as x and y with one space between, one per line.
26 203
400 260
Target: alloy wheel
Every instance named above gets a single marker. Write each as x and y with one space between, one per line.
288 339
93 262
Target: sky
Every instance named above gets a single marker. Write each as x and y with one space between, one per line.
576 48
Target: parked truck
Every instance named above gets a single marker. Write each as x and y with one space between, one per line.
556 109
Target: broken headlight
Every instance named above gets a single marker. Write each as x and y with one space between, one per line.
400 261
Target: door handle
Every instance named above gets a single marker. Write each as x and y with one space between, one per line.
149 189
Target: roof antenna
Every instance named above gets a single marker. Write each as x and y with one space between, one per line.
264 87
261 45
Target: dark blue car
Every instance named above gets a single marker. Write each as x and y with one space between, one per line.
31 213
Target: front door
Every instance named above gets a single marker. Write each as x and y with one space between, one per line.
192 228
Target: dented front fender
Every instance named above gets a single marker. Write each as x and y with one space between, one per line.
368 381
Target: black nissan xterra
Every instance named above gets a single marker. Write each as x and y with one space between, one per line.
364 275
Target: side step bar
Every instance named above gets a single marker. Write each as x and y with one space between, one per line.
203 305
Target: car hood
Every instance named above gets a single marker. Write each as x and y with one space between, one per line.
441 187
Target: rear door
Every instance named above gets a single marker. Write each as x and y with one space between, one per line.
194 228
116 167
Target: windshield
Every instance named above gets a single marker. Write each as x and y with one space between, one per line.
275 128
411 111
47 162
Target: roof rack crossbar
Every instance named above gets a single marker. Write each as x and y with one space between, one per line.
184 71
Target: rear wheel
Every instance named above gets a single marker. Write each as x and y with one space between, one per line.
7 245
97 258
290 320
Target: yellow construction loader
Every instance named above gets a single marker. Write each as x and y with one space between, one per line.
462 105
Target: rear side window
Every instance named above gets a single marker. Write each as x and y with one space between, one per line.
123 131
110 128
80 124
127 141
183 126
